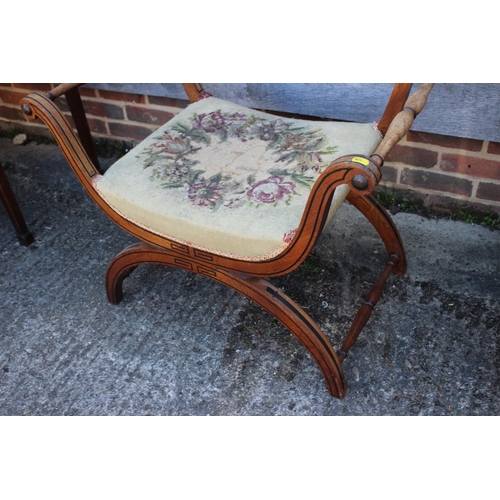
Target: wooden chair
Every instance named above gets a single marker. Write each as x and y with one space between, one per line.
241 196
24 235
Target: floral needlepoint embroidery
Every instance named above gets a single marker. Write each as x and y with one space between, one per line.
270 190
173 145
289 236
206 193
175 159
209 123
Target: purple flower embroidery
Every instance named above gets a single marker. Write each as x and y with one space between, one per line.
237 125
209 123
270 190
269 130
206 193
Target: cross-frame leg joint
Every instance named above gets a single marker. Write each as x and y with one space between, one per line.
260 291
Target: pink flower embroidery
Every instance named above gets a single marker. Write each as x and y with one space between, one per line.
289 235
270 190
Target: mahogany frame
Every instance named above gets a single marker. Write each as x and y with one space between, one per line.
249 278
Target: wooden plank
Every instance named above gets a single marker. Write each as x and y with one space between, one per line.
463 110
455 109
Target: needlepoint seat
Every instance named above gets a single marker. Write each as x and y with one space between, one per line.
229 179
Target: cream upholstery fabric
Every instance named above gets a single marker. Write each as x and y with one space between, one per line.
229 179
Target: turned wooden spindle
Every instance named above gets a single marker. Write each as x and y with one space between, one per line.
399 95
403 122
62 89
366 309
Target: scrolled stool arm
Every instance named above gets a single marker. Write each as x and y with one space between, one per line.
37 105
362 173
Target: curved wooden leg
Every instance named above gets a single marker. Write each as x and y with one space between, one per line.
383 224
120 268
293 317
258 290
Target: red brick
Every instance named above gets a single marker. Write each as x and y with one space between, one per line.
389 174
413 197
167 101
148 115
446 204
97 126
417 157
34 86
402 194
87 92
445 141
436 182
62 104
494 148
10 97
5 84
135 132
12 113
97 108
122 96
488 191
470 165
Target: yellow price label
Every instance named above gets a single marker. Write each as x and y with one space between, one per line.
358 159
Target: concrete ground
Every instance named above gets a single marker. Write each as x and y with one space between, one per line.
180 344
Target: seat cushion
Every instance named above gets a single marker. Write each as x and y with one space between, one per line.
229 179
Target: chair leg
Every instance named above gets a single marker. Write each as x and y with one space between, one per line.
258 290
293 317
382 222
9 201
379 218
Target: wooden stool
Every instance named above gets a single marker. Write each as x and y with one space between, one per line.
240 195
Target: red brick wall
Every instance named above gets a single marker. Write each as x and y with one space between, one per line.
114 115
445 173
440 172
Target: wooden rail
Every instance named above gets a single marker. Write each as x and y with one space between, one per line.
403 122
62 89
